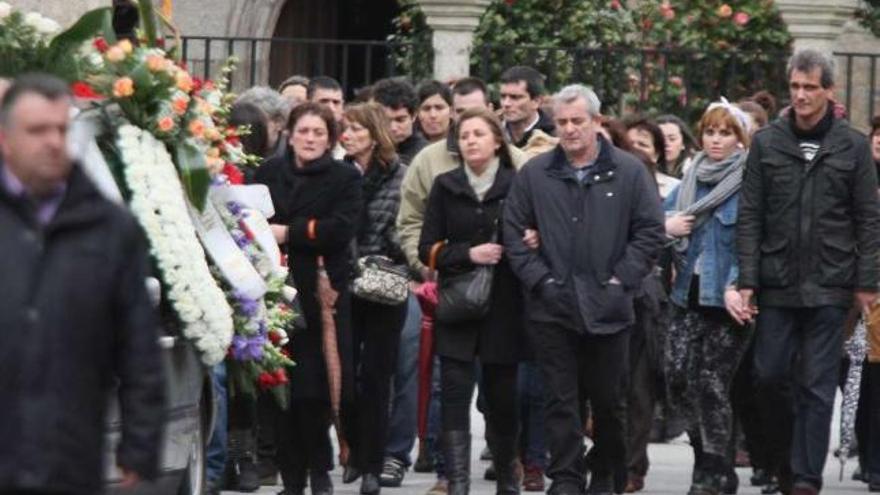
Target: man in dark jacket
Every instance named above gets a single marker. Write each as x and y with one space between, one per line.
808 234
598 215
399 100
75 317
522 93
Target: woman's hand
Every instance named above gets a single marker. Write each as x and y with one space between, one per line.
280 233
739 308
531 239
486 254
679 225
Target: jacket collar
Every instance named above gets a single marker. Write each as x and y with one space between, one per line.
833 142
82 204
457 184
315 167
561 168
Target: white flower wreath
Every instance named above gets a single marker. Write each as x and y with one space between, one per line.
159 203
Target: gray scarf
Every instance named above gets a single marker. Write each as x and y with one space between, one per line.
725 176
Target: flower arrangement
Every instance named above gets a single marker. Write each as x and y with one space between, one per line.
158 202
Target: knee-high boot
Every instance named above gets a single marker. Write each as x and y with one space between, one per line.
457 453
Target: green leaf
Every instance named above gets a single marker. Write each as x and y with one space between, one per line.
193 171
148 21
87 27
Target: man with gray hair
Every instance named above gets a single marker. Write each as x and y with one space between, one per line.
599 226
808 234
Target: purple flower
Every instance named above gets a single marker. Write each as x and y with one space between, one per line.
248 348
240 239
249 307
234 207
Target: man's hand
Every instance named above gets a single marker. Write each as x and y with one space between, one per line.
531 239
486 254
737 306
129 479
865 300
679 225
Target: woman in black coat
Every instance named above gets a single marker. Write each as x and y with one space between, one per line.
317 205
375 326
463 213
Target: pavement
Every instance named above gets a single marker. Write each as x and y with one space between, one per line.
669 473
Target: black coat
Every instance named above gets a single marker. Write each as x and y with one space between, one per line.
611 225
330 192
74 317
808 233
455 215
410 147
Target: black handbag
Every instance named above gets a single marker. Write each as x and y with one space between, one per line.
464 296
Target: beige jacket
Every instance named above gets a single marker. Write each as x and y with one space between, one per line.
432 161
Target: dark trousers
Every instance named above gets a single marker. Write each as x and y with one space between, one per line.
304 441
868 422
376 333
746 410
813 336
457 381
591 367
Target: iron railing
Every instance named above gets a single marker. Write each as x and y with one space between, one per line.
626 79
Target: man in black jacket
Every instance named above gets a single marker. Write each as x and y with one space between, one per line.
807 237
75 317
597 211
522 93
398 99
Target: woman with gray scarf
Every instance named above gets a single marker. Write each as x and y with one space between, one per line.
707 336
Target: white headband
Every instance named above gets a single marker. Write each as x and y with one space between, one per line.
745 122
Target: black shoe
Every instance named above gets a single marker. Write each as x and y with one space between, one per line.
370 484
486 454
760 477
423 464
291 491
244 477
350 474
393 472
268 472
457 452
508 471
601 484
730 483
489 474
321 484
858 475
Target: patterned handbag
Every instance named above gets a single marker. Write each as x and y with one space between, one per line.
381 281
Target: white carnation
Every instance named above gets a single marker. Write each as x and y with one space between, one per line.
5 10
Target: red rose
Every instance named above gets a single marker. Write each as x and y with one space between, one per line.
285 352
280 376
233 174
83 90
101 44
198 83
615 4
274 337
267 380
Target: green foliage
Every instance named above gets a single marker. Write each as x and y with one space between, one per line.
869 15
649 56
27 44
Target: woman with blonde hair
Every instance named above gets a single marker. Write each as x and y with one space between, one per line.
707 335
376 326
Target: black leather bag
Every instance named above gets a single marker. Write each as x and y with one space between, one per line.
465 296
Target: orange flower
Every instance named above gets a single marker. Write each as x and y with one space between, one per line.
212 134
126 46
115 54
725 11
123 87
180 104
196 128
155 63
184 81
165 124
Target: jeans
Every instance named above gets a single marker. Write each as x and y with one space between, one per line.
576 367
813 337
435 452
216 450
402 424
531 394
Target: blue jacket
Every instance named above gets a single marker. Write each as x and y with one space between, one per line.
715 239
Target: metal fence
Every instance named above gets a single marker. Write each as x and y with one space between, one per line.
626 79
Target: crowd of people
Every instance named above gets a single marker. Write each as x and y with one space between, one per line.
619 280
620 265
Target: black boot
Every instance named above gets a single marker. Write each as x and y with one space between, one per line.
242 464
709 479
504 449
457 454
